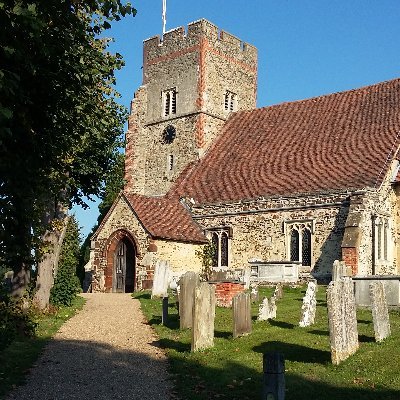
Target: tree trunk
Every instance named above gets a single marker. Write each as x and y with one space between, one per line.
20 281
47 267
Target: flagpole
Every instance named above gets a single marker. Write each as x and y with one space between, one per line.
164 15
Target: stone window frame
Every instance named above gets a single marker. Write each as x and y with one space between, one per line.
168 97
383 240
219 233
230 101
300 225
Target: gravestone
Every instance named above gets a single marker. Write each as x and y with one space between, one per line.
203 317
161 279
246 277
274 376
254 292
241 314
309 306
380 313
267 309
339 270
187 284
278 293
342 317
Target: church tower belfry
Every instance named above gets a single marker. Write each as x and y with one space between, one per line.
192 81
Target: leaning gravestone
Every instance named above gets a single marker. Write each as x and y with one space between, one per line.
380 313
188 283
203 317
241 314
342 319
161 279
267 309
309 306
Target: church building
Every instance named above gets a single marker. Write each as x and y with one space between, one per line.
301 183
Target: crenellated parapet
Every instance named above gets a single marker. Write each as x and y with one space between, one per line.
180 40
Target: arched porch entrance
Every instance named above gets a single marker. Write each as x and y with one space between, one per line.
121 263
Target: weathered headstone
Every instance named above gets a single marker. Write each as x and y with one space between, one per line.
278 293
309 306
187 284
254 292
274 376
203 317
246 277
380 313
342 319
241 314
339 270
267 309
161 279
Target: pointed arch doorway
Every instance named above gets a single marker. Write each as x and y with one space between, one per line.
121 263
124 267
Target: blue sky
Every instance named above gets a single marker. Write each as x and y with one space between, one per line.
305 48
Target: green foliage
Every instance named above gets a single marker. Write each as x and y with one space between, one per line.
207 257
66 283
16 320
60 123
114 183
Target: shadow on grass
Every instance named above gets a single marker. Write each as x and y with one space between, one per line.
222 334
295 352
366 339
319 332
281 324
364 321
174 345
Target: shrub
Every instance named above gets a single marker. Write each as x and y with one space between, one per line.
67 284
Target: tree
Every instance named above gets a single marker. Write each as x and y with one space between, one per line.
60 122
114 183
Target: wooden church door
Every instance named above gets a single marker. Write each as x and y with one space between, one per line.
120 268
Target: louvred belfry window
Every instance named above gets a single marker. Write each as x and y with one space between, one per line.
169 102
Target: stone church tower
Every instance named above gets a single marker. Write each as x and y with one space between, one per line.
192 81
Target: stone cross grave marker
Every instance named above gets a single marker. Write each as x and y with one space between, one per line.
203 317
188 283
246 277
342 317
380 313
309 306
339 270
241 307
278 293
161 279
267 309
254 292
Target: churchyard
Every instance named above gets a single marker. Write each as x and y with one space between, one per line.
232 368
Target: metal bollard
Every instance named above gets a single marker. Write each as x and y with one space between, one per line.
274 376
164 316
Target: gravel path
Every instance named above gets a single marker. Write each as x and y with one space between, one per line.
106 351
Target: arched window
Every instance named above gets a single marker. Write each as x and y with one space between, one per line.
220 242
306 248
224 249
294 246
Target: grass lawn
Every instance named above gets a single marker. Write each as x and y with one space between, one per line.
20 355
232 369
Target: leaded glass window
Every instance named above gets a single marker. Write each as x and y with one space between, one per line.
294 245
306 247
224 249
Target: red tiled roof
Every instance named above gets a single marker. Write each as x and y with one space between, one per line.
329 143
166 218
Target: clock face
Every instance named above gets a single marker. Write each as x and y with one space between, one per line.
169 134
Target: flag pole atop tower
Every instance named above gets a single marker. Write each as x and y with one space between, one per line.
164 14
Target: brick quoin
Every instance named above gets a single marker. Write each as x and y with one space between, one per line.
349 256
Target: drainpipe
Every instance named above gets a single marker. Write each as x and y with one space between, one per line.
373 219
